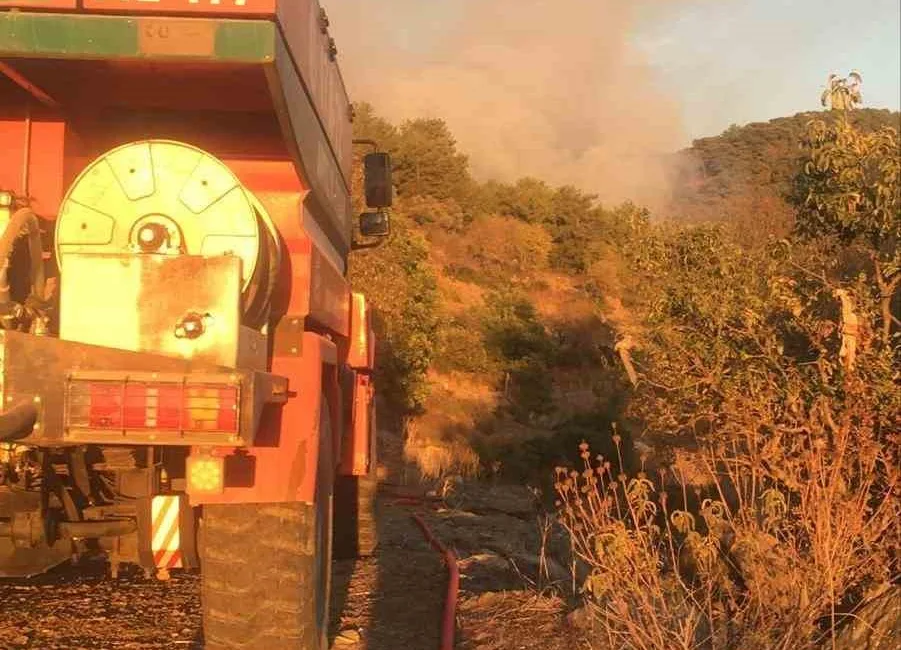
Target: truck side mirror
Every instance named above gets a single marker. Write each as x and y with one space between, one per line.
375 224
377 180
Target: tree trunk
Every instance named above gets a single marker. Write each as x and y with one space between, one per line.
887 287
624 348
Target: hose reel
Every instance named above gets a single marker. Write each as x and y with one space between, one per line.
160 197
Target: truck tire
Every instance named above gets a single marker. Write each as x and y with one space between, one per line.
266 568
356 527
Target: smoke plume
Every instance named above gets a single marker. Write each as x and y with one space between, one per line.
549 88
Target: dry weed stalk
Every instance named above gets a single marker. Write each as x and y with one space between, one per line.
798 530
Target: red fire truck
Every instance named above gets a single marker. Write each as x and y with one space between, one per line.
185 373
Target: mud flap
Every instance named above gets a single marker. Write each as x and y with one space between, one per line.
167 537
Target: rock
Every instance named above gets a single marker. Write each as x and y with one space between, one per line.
876 626
347 638
453 492
530 565
471 533
513 500
487 571
489 599
580 619
484 560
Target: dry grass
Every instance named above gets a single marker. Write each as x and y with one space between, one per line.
799 529
459 297
440 458
524 620
560 299
439 442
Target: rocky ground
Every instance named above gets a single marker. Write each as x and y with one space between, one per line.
79 607
392 601
510 592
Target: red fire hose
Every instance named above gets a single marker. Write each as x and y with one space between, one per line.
453 584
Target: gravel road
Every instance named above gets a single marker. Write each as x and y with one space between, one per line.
79 607
391 601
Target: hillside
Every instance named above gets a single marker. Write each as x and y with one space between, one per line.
489 329
698 399
744 174
704 402
501 305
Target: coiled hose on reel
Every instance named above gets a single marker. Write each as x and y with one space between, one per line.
25 220
190 197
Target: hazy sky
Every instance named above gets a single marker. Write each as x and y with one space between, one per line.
591 92
737 61
727 61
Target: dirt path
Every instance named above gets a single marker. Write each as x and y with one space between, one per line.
389 602
79 607
392 601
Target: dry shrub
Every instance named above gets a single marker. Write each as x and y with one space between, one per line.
439 447
801 529
438 459
439 442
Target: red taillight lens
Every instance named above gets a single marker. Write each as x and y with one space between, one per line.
157 406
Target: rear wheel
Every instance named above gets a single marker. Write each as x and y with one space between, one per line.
356 529
356 532
266 568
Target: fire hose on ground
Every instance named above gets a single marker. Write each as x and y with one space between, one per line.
448 621
449 615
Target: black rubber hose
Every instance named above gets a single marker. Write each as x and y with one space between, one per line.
18 422
24 218
258 300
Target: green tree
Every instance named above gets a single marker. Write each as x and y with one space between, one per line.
368 124
524 348
849 195
401 286
529 199
740 358
428 163
397 277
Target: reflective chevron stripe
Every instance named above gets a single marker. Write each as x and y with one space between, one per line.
165 539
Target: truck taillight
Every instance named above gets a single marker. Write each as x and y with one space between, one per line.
152 406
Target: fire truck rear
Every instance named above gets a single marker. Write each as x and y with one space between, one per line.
185 373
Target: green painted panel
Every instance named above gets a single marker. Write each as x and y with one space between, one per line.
45 35
246 40
24 35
